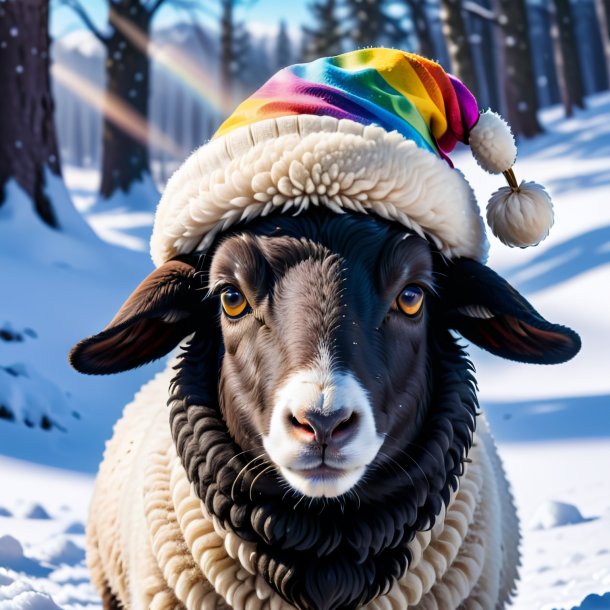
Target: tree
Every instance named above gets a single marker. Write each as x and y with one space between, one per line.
323 39
460 53
234 47
421 23
28 142
516 67
370 24
566 54
283 47
602 8
125 158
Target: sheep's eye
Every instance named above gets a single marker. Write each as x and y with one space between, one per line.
410 300
233 302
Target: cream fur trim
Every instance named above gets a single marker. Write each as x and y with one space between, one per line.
492 143
293 162
158 548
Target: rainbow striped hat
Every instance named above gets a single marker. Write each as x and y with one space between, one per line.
369 132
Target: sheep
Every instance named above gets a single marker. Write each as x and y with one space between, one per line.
211 517
323 447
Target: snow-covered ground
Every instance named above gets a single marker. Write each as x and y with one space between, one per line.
552 423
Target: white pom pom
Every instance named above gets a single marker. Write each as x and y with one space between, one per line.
521 217
492 143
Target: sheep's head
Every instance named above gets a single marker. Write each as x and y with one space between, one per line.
321 347
324 323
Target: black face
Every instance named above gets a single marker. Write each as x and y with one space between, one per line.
332 302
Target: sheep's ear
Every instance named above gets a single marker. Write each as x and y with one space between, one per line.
488 311
153 320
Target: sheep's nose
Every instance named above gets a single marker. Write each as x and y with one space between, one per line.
335 427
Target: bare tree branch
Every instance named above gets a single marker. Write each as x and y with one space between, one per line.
78 8
155 6
480 11
192 6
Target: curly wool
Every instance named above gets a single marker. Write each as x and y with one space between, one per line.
191 560
362 550
173 544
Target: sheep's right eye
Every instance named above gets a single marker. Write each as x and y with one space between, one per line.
233 302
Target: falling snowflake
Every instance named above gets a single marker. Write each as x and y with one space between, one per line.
19 69
14 32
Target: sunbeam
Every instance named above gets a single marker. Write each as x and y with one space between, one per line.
177 63
117 111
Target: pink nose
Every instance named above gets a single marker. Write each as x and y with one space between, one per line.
338 426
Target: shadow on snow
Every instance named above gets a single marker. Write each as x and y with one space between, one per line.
550 419
563 261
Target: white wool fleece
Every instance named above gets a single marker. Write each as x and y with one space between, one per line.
151 542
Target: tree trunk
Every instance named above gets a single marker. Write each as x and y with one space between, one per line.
125 157
567 56
518 72
227 58
602 8
28 143
566 98
460 53
420 20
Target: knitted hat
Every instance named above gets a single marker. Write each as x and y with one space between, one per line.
368 131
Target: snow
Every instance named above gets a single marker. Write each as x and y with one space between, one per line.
126 218
552 424
555 514
84 42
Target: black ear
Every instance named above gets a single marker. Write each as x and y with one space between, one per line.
488 311
153 320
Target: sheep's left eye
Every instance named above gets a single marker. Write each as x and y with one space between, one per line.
233 302
410 300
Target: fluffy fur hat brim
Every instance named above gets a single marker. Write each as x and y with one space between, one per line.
293 162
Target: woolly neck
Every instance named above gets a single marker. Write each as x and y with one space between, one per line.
317 554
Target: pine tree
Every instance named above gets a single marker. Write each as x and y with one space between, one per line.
234 49
283 47
370 24
323 39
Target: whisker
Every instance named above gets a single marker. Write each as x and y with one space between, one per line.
411 444
258 476
385 455
242 453
243 470
298 502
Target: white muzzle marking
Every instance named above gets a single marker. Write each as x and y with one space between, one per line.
323 390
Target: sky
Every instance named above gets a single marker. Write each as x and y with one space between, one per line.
265 12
